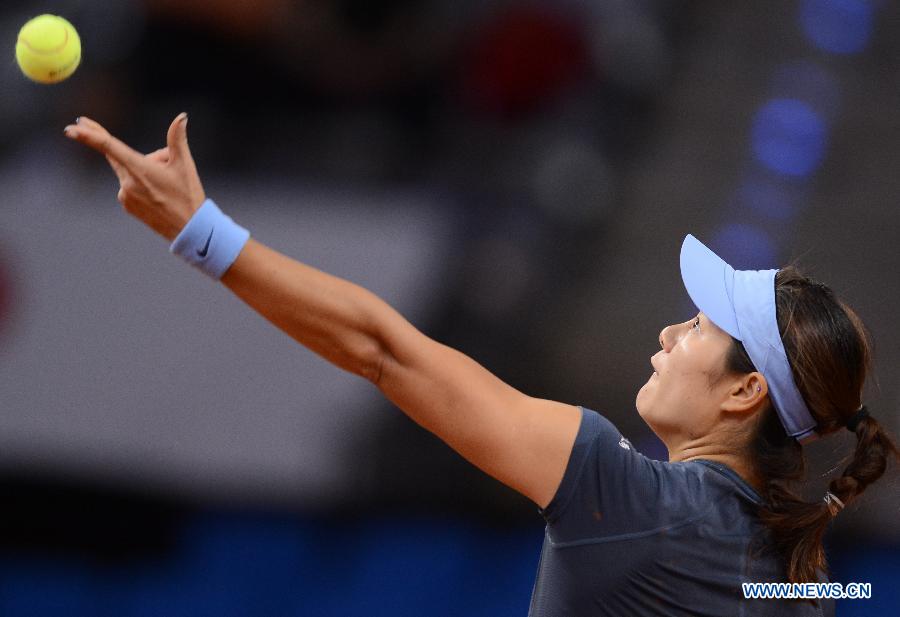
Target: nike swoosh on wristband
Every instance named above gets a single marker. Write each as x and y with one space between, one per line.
202 253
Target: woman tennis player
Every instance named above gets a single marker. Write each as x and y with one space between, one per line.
771 361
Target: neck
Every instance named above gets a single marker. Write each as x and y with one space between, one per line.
714 452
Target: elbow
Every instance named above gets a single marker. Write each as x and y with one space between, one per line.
372 364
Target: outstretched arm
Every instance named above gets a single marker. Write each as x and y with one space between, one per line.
522 441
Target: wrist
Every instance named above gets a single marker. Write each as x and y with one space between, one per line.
210 240
171 231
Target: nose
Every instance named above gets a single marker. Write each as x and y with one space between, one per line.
662 337
669 335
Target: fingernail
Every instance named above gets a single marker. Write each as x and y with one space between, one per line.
78 119
68 131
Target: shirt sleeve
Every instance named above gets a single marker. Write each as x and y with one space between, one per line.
610 489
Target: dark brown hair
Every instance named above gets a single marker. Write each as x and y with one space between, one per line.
829 352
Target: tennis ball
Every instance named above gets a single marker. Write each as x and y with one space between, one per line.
48 49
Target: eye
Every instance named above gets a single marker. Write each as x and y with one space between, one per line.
696 323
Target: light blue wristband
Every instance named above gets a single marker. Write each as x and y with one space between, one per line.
210 241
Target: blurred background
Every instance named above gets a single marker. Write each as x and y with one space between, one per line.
515 177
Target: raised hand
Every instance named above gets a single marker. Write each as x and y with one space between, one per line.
162 188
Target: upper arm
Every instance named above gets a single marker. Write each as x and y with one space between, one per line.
522 441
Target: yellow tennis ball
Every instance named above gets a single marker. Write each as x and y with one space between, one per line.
48 49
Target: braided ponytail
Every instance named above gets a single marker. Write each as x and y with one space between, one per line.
873 447
828 349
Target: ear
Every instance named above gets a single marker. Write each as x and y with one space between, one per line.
745 393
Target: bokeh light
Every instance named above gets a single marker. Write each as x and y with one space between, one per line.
789 137
837 26
745 247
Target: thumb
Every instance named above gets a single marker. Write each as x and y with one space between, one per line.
176 138
159 156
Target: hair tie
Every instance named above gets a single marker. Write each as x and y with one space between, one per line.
856 418
832 498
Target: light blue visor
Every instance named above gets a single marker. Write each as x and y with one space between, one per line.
742 302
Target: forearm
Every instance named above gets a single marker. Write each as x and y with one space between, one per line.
340 321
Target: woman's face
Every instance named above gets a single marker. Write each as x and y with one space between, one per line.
678 402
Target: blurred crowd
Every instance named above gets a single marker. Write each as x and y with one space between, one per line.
522 115
574 144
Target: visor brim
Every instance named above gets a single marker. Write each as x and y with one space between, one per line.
709 281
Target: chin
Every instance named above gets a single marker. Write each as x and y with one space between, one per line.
645 413
640 402
648 420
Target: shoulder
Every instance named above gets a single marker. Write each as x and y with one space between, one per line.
612 492
606 470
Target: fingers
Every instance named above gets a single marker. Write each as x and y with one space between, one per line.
159 156
176 138
92 134
121 172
